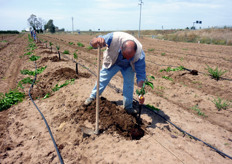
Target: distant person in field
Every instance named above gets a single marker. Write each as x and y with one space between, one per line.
34 35
31 33
124 53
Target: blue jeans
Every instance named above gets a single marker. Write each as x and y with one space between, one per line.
128 83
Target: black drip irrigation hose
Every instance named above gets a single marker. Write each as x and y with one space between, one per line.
223 78
118 91
53 140
218 151
80 65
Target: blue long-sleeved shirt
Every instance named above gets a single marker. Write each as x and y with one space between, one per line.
140 65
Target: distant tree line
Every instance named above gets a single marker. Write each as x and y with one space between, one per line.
9 32
41 25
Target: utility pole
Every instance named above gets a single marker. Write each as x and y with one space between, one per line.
140 3
72 24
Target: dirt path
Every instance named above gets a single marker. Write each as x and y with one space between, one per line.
11 63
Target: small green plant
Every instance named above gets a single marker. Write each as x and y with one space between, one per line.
28 53
27 72
196 108
70 43
220 104
50 44
169 69
34 58
66 52
10 98
181 59
142 90
89 48
215 73
57 87
4 41
27 80
167 78
47 95
152 107
57 47
32 45
80 44
40 70
163 54
151 49
75 55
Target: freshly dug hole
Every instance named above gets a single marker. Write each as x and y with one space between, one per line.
111 119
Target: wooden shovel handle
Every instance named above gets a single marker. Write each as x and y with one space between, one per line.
97 96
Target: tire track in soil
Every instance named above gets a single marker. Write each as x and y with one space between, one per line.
10 40
12 63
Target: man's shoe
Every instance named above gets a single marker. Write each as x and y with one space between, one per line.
89 100
131 111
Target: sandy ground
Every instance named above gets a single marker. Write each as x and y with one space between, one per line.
25 139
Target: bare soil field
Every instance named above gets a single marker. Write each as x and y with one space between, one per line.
24 137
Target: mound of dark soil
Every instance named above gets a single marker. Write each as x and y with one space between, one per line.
65 74
47 52
53 59
111 118
49 80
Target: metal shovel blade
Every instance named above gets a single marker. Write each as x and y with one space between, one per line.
87 131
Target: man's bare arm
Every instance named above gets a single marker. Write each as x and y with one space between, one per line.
98 41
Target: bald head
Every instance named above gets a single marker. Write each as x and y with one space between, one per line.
129 48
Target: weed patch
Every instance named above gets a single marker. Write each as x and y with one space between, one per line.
196 108
221 104
215 73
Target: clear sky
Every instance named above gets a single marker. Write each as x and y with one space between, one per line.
116 14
